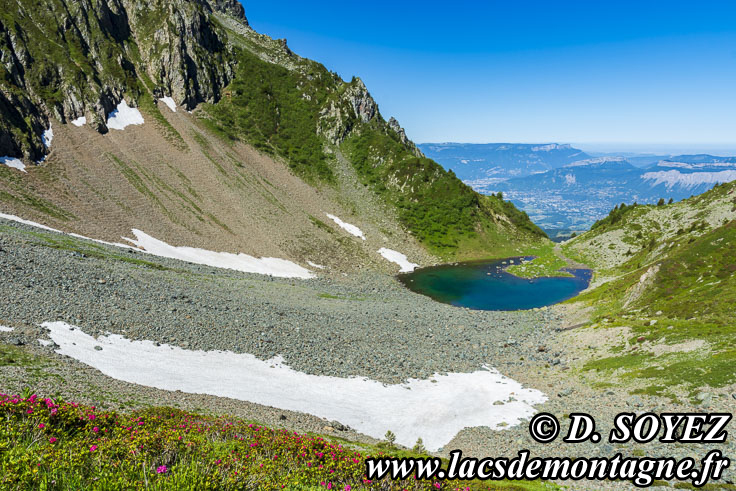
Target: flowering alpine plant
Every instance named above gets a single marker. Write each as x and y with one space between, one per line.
60 445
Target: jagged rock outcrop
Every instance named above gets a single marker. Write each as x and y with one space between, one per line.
231 7
66 59
355 105
191 62
364 107
340 116
394 125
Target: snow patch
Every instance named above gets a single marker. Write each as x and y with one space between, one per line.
672 178
169 102
48 137
28 222
123 117
44 227
570 179
429 410
280 268
398 258
45 342
79 122
349 228
114 244
314 265
14 163
6 329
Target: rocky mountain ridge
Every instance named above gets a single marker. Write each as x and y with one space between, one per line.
76 62
479 164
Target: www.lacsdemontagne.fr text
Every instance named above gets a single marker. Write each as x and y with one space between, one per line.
641 471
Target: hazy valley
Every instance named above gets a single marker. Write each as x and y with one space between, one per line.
565 190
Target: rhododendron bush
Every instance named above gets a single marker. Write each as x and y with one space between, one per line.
59 445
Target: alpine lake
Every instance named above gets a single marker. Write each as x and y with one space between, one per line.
485 285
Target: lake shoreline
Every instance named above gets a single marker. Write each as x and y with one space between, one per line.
488 285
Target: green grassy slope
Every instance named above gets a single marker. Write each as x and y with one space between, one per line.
446 215
267 107
671 282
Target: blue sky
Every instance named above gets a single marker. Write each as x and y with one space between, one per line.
622 74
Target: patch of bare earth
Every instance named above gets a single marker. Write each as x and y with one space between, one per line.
204 193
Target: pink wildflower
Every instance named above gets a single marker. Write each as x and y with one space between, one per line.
95 429
52 439
162 469
93 448
41 426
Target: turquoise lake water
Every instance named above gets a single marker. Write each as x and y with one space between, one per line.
486 286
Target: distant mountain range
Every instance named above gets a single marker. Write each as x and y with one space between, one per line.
641 160
495 162
565 190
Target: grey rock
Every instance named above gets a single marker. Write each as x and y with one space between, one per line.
705 398
394 125
338 426
635 401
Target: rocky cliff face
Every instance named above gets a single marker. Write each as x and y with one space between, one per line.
340 116
394 125
67 59
355 105
232 7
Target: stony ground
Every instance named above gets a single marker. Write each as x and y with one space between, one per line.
365 325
